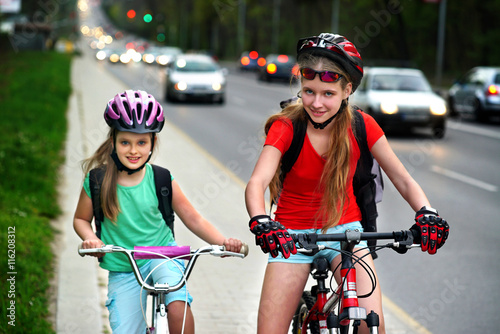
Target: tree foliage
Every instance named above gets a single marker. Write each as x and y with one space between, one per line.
388 30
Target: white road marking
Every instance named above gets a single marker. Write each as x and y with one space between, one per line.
464 178
460 126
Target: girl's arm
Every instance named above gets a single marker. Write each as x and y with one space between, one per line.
82 222
399 176
262 176
197 224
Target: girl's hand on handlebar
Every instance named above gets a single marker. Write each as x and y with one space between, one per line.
271 236
232 245
433 229
93 243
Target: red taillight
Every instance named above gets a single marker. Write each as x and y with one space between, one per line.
253 54
282 58
261 62
492 90
245 61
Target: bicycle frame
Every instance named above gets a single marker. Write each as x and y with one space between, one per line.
346 292
158 292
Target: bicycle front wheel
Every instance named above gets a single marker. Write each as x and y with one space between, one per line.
306 303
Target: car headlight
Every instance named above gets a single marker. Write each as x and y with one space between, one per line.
101 55
181 85
438 109
389 108
114 58
216 86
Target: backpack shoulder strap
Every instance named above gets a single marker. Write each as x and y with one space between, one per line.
365 162
293 152
96 176
163 185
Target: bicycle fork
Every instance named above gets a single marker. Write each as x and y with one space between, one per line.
349 306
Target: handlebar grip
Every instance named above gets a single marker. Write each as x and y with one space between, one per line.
244 249
80 250
416 236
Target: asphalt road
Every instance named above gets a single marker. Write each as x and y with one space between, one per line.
455 291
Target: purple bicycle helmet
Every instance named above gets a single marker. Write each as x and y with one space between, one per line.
336 48
134 111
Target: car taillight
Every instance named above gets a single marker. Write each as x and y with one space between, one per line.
282 58
245 61
253 54
261 62
492 90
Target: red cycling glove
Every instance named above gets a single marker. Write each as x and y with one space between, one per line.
271 236
434 230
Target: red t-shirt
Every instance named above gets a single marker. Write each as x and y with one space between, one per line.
300 198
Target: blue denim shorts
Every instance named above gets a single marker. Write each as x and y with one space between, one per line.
124 294
330 254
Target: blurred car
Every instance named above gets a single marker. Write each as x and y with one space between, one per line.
279 67
477 93
195 76
160 55
400 99
251 61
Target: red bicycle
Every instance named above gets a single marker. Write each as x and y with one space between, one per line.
320 312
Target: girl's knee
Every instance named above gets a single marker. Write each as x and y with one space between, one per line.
178 307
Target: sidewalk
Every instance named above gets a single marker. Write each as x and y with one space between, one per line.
226 291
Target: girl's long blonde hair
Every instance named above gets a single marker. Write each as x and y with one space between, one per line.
336 171
102 159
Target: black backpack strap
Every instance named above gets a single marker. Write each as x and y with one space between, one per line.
293 152
163 185
96 176
364 185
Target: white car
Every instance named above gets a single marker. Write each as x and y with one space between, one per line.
195 76
400 99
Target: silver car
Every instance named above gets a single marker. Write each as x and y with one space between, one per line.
477 93
400 99
195 76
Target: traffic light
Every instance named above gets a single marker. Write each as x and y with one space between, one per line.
131 14
148 18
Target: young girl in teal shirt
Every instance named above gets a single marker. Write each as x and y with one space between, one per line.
131 214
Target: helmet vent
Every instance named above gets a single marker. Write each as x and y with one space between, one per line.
139 113
129 113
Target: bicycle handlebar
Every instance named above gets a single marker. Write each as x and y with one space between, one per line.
164 252
402 239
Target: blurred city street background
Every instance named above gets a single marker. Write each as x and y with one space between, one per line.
455 291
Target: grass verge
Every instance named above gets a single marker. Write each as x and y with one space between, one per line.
34 93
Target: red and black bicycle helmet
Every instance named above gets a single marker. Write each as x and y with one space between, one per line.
336 48
134 111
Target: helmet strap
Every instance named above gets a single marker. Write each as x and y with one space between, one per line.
321 126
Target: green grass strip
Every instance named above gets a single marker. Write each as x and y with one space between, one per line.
34 93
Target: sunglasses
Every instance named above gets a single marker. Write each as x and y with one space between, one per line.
325 76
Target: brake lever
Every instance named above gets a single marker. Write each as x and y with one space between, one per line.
307 242
401 245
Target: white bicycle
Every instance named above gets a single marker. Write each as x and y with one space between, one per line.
158 323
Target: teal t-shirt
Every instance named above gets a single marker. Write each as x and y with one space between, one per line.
139 222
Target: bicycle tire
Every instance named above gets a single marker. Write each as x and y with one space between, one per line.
306 303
